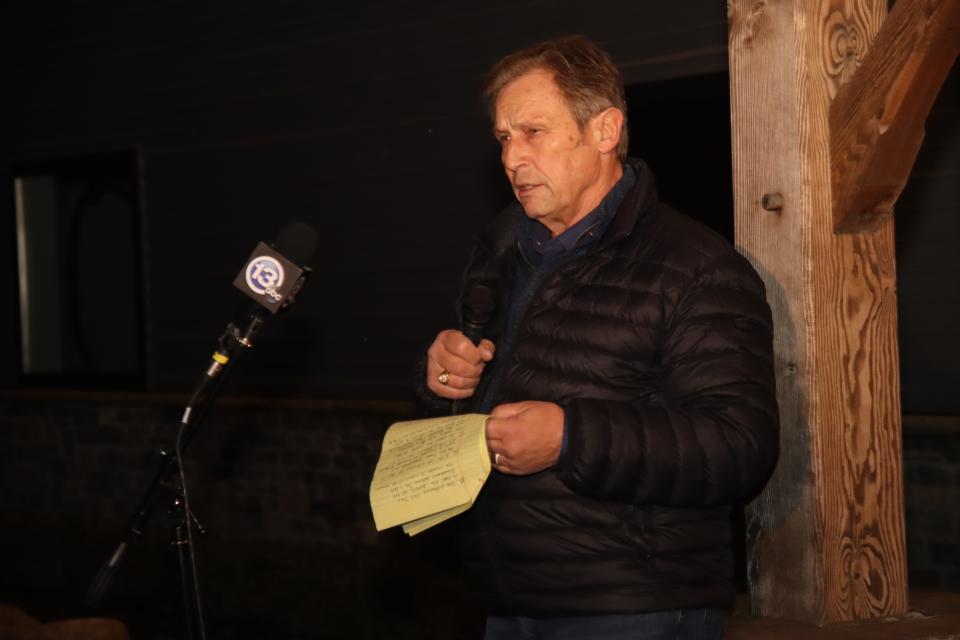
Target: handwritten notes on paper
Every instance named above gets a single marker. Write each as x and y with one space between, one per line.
429 471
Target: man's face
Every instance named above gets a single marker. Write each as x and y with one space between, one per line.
552 165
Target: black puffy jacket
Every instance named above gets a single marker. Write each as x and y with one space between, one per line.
658 345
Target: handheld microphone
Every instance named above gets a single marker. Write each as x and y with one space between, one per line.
477 307
479 304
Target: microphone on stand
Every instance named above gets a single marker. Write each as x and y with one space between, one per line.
274 273
272 277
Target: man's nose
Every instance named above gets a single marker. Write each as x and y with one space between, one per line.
513 154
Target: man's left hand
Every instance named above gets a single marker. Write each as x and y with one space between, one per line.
527 435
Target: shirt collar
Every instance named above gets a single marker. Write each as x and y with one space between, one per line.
535 237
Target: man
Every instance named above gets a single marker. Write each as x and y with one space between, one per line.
627 369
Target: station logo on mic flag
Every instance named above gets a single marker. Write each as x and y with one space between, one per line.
268 277
264 274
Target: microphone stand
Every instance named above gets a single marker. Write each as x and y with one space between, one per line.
172 490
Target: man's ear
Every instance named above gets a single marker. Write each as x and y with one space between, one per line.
608 123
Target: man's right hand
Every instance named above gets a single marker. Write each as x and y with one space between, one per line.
462 361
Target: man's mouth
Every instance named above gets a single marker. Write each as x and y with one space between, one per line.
524 188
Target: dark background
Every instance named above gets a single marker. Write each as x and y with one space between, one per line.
364 120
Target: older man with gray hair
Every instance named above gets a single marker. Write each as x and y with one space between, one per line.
627 370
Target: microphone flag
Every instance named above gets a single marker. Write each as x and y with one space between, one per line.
269 278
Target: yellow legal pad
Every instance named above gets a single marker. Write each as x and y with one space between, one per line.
429 471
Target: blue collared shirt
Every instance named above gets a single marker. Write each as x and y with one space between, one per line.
540 249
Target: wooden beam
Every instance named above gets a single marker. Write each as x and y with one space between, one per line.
877 119
826 537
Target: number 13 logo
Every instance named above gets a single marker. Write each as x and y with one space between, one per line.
264 273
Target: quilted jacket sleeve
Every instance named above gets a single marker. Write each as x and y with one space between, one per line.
711 436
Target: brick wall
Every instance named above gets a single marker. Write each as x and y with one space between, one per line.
932 495
282 489
290 552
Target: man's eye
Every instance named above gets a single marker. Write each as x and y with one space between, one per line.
503 138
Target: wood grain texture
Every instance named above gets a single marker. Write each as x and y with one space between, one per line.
857 388
877 119
781 523
826 535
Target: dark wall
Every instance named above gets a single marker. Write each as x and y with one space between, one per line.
362 119
927 220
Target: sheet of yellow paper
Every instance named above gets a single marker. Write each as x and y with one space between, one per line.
427 467
422 524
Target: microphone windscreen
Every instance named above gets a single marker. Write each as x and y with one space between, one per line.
478 304
297 241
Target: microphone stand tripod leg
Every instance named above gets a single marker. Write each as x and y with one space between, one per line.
193 612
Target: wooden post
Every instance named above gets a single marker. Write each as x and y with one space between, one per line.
826 537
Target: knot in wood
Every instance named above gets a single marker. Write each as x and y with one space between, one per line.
751 24
772 201
845 48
